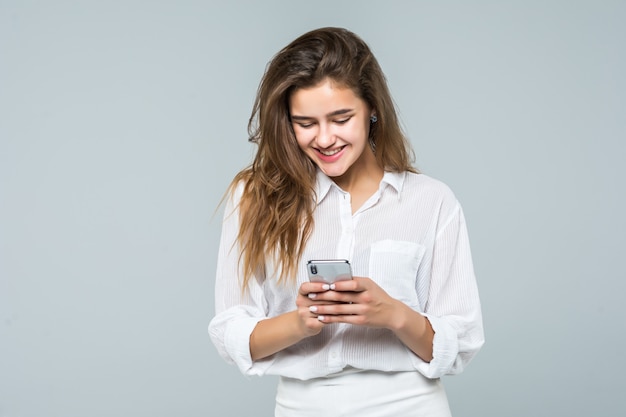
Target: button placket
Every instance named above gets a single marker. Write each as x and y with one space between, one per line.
346 242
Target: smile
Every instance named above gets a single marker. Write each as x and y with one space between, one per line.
330 152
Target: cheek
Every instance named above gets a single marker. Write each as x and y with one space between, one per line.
303 138
357 134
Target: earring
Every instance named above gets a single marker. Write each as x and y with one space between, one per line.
373 119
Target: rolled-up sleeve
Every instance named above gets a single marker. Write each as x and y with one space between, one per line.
237 312
453 306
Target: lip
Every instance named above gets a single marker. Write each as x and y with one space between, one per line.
330 158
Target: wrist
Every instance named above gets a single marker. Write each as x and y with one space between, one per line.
297 327
400 317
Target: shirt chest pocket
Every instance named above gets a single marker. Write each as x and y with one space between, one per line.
393 265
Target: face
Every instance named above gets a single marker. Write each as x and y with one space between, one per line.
332 124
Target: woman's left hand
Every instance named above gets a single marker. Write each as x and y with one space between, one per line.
361 302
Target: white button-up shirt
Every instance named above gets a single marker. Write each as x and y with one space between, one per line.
410 237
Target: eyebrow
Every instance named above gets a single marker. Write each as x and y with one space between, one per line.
331 114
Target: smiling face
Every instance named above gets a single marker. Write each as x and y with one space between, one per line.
331 125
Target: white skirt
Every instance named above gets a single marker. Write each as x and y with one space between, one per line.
362 394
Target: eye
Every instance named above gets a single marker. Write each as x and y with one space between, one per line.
343 121
305 125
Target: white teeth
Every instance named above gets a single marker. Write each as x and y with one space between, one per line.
330 153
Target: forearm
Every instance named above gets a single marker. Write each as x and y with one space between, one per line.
275 334
415 331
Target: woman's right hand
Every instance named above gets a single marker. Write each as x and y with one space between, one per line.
309 323
275 334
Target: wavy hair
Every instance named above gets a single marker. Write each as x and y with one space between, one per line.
276 207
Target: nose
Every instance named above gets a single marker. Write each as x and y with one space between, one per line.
325 136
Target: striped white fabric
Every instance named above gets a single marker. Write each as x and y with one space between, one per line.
410 237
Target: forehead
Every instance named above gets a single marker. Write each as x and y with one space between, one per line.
323 98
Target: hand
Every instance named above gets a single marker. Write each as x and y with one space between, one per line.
359 301
308 293
362 302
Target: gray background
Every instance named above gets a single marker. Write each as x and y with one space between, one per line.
122 122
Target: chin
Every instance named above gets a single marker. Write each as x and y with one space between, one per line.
334 173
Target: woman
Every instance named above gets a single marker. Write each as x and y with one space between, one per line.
332 178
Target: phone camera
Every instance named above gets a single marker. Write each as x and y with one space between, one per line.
314 269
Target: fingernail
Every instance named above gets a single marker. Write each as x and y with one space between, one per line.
326 287
332 286
313 309
320 318
312 295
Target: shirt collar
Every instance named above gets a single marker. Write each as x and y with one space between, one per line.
395 180
324 183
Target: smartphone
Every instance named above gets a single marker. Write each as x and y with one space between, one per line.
329 270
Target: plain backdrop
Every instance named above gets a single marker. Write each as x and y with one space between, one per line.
122 123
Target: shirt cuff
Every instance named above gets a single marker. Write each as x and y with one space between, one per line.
445 349
237 343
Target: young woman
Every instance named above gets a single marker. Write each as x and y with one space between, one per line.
332 179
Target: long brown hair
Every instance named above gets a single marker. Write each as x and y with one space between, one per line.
276 207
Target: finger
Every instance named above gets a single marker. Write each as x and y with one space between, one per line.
355 319
335 309
356 284
315 324
311 299
310 322
334 297
312 288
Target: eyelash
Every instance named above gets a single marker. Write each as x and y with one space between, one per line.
339 122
